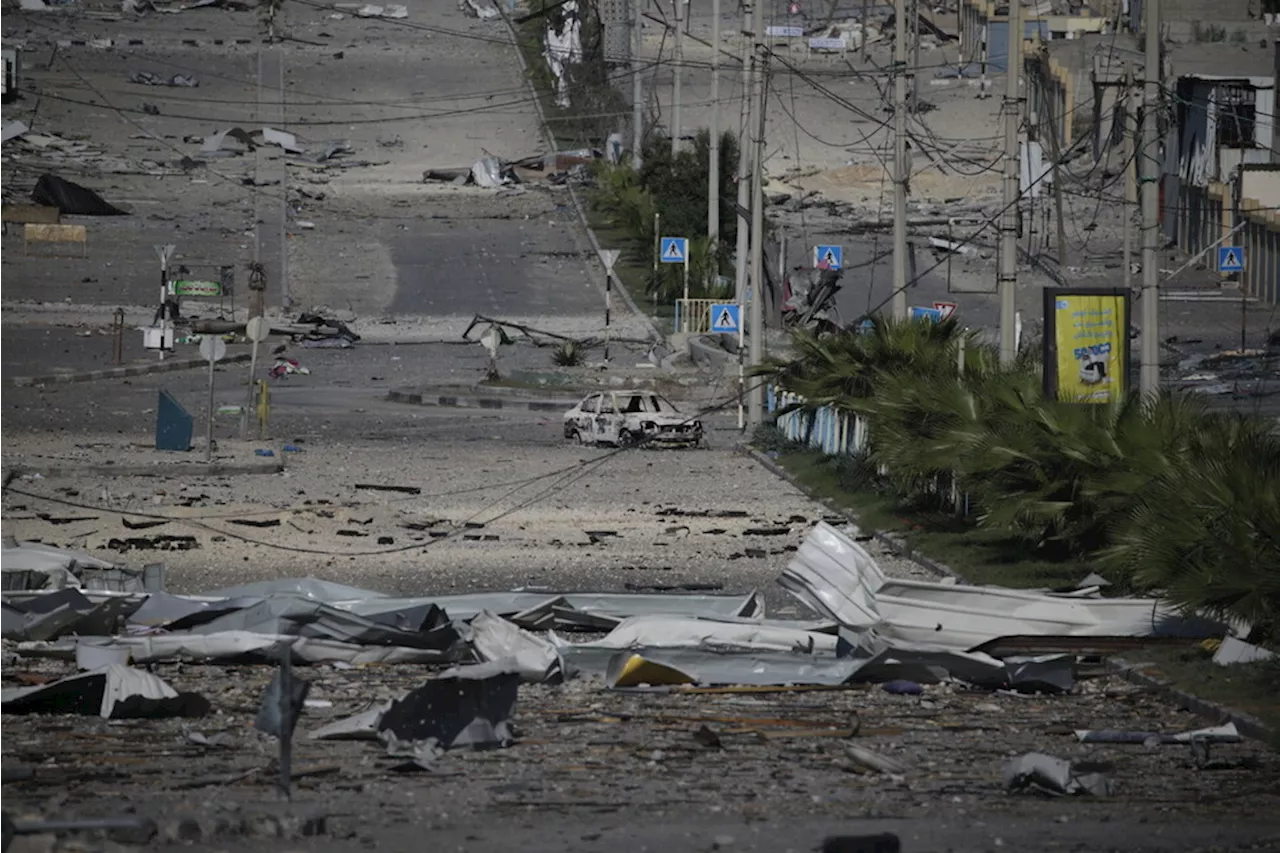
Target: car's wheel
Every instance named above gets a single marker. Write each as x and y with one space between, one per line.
627 438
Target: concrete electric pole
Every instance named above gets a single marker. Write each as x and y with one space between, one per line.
1130 185
713 164
637 89
755 342
1149 363
678 61
1008 281
900 175
744 161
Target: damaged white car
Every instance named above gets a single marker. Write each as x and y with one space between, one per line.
630 418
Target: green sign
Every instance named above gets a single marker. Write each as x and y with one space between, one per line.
197 288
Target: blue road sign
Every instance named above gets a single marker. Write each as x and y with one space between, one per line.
674 250
1230 259
918 313
832 256
726 317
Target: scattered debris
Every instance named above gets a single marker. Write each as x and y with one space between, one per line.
391 11
158 542
378 487
114 692
1226 733
1233 651
13 129
1048 774
533 658
150 78
482 9
874 761
52 191
288 367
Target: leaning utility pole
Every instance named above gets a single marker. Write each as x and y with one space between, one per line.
678 61
900 175
1008 281
637 89
744 160
713 159
755 396
1149 363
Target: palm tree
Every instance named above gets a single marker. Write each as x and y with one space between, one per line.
1206 532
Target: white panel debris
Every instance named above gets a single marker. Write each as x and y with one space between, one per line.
562 47
835 577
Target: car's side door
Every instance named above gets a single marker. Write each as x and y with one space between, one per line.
607 424
585 418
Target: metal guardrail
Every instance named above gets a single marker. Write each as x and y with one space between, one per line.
832 432
841 434
693 316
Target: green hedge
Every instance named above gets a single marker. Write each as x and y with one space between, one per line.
1162 492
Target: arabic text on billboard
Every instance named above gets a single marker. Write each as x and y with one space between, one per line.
1091 337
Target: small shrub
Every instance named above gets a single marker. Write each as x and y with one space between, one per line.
568 354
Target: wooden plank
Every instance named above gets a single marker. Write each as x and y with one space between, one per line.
32 233
35 213
55 233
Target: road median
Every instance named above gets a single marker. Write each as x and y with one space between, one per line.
167 366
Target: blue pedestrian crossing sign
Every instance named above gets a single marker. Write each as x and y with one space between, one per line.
832 256
1230 259
674 250
726 317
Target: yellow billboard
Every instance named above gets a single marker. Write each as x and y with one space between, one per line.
1086 344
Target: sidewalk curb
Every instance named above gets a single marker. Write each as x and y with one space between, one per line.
173 469
122 372
435 398
895 543
1249 725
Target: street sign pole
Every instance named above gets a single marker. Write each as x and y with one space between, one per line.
213 349
164 252
256 330
608 257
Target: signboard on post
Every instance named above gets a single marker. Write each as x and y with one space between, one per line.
674 250
1230 259
836 44
205 289
832 256
946 309
784 32
726 318
1086 344
933 315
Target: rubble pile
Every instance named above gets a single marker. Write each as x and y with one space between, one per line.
904 681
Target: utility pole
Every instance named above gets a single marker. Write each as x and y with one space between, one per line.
744 159
1130 185
637 89
900 175
866 7
1149 369
1008 281
755 396
713 159
678 61
915 56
